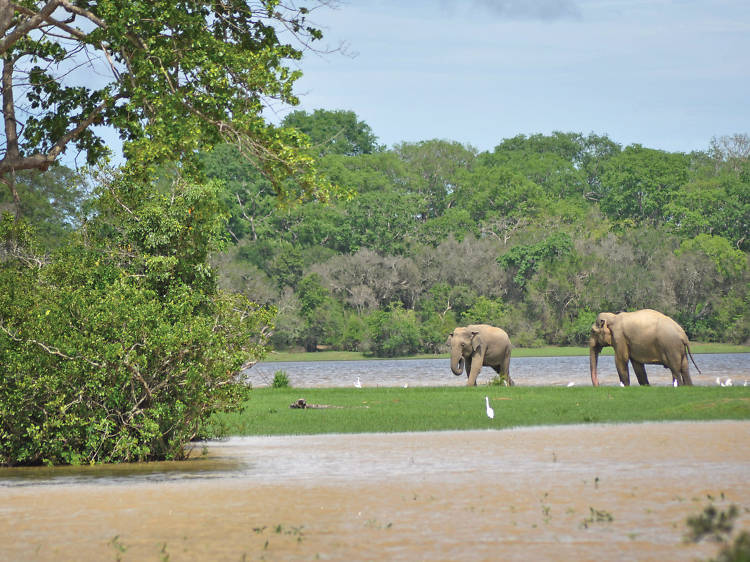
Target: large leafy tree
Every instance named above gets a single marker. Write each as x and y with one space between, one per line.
335 132
170 77
639 183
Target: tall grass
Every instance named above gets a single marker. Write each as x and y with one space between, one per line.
351 410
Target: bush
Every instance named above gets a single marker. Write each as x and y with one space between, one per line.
119 347
280 380
394 332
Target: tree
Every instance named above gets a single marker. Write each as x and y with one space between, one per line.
172 78
118 346
334 132
51 201
436 165
639 183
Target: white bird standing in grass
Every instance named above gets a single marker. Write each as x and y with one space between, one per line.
358 384
571 383
674 382
490 411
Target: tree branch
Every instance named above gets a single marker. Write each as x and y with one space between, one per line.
23 28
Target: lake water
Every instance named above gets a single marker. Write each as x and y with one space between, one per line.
586 492
525 371
593 492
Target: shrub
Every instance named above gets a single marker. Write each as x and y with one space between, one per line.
280 380
119 347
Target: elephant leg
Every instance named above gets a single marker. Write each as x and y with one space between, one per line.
506 368
685 372
472 370
640 373
621 363
503 369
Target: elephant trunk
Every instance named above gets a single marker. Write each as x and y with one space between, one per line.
594 351
457 364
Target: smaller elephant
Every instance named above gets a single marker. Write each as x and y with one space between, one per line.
477 345
643 337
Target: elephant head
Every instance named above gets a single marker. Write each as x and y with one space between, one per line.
463 342
601 336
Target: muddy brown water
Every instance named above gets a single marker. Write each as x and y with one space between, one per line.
593 492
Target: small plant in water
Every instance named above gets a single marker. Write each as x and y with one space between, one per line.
118 546
712 524
545 508
498 380
280 380
718 525
597 516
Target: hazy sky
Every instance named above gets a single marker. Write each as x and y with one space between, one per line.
669 74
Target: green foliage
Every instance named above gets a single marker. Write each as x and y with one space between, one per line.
525 260
730 263
49 200
537 237
639 183
335 132
712 524
394 332
118 346
182 80
280 380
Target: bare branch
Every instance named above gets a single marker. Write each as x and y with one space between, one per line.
26 26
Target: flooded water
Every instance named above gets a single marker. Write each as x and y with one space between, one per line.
594 492
525 371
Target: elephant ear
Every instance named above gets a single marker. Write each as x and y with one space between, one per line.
476 341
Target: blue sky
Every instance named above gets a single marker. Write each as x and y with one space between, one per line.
668 74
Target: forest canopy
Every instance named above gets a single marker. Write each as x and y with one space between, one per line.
536 236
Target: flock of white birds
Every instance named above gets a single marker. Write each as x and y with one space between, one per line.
491 412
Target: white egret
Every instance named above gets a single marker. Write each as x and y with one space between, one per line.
622 383
718 381
674 383
571 383
490 411
358 384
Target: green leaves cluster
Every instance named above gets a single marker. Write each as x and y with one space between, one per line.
172 79
537 236
118 346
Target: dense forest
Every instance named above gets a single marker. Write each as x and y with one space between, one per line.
536 236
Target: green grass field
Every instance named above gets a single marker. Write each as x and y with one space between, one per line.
368 410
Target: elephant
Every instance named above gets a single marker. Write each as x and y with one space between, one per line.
641 337
477 345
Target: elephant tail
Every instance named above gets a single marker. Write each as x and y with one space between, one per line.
690 353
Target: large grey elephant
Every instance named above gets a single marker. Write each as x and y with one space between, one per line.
477 345
643 337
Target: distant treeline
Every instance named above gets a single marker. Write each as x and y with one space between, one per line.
536 236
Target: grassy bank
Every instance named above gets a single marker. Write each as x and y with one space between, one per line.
548 351
366 410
